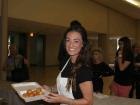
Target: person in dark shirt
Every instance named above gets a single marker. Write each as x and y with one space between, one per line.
74 82
124 69
136 51
100 69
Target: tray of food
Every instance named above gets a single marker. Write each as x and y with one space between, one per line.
29 91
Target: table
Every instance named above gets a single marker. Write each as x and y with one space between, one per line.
114 100
8 94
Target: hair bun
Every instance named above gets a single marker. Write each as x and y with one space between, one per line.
75 23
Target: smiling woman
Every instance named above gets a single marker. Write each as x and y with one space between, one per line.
74 82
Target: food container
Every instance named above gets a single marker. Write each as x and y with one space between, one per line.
29 91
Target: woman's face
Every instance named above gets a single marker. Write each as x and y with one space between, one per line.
74 43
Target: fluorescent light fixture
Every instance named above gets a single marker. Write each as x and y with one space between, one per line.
134 2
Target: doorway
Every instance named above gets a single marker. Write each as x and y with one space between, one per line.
37 50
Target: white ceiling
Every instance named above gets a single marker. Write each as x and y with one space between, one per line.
122 7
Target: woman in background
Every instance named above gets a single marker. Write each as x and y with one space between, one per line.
15 67
124 69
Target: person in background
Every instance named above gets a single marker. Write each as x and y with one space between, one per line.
74 82
100 69
15 68
136 51
124 69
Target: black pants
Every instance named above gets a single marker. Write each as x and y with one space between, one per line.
138 90
137 84
132 91
98 85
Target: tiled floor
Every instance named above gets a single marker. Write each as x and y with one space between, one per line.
45 75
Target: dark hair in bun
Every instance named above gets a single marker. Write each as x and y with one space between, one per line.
75 23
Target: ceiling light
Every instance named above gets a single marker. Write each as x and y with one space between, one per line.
31 34
134 2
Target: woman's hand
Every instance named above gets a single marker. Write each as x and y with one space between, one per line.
54 98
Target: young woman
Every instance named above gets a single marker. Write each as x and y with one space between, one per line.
124 69
74 82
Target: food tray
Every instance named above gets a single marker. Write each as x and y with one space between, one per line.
22 88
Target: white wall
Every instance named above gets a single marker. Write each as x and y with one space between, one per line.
60 12
94 17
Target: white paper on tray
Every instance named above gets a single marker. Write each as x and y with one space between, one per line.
21 88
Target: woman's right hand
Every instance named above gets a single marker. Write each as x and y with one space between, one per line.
55 98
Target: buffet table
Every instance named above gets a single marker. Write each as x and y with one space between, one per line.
11 97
